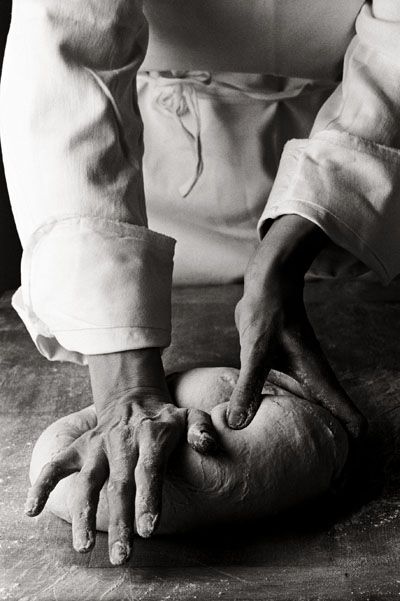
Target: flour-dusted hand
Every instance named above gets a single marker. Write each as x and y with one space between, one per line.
137 430
274 329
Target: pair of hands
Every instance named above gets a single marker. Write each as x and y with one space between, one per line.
138 426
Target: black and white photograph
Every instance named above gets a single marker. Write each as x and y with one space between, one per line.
200 300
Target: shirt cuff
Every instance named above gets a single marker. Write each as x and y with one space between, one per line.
350 188
93 286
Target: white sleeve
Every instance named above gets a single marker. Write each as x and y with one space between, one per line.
346 176
94 278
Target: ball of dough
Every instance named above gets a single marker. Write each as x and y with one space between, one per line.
203 387
290 452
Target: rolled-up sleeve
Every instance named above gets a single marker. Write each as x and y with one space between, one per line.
346 176
95 279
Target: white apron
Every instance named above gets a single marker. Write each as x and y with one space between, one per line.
212 149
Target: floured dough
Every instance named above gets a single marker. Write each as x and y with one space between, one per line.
291 451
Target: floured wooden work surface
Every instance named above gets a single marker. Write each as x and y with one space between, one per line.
332 550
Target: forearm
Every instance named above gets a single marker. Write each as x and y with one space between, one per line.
95 279
291 242
284 255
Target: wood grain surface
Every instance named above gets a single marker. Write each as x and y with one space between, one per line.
335 548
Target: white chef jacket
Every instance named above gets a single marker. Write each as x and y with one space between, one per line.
95 278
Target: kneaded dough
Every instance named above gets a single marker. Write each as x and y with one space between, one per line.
290 452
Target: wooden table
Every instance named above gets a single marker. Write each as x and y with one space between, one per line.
340 549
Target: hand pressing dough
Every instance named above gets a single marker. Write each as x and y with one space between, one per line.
291 451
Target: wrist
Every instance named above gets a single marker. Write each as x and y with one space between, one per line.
113 376
291 244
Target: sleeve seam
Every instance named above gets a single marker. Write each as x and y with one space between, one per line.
321 210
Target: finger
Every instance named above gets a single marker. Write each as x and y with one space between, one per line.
85 500
64 463
157 439
281 384
312 369
149 476
122 457
201 434
257 356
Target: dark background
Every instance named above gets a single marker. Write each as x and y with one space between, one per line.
10 249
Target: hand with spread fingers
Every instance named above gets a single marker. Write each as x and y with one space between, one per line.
275 332
137 430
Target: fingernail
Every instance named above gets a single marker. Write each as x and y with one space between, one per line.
146 525
205 443
119 553
83 542
31 506
237 419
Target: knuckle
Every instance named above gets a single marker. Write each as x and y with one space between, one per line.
169 409
81 513
156 428
119 436
198 416
119 486
123 431
146 426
